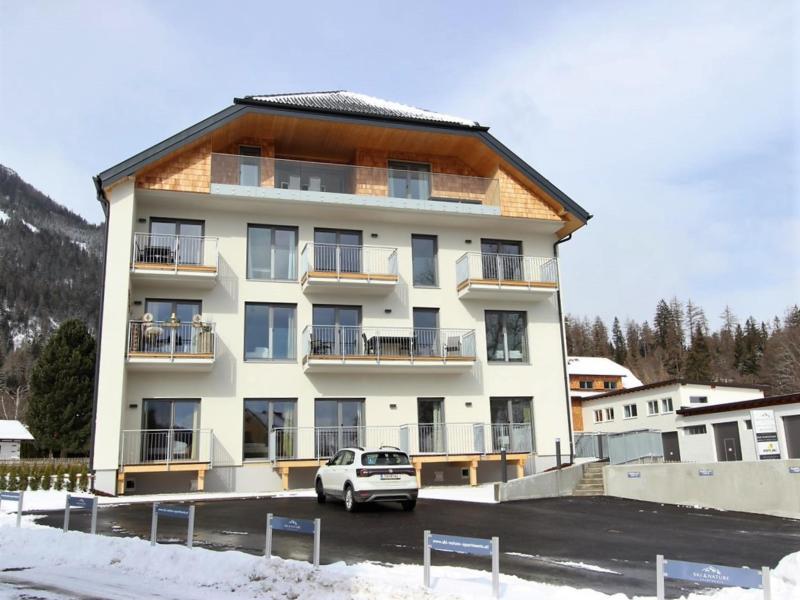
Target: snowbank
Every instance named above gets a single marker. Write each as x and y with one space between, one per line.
117 568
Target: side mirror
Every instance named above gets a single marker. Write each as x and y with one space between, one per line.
329 463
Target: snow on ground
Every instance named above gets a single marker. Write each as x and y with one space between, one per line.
464 493
82 245
4 216
76 564
565 563
33 228
40 500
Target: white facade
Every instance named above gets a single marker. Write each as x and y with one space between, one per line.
701 446
596 366
674 394
390 389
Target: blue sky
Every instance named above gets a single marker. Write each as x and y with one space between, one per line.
674 123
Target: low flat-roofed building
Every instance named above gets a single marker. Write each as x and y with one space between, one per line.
12 434
594 375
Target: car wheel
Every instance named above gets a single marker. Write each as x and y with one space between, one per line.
320 492
350 504
408 505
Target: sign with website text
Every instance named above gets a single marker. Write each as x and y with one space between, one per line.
293 525
461 545
765 431
710 575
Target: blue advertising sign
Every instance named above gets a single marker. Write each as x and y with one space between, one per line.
81 502
706 472
460 545
293 525
712 574
179 512
9 496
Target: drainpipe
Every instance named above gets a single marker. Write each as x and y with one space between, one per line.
564 346
103 200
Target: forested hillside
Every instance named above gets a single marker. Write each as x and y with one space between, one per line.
49 272
680 343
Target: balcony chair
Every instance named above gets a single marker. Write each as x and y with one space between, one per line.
453 346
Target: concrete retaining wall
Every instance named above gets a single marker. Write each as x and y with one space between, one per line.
542 485
766 487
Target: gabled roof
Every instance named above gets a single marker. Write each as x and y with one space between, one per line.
596 365
740 405
353 103
13 430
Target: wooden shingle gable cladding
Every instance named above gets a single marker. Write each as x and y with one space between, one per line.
188 168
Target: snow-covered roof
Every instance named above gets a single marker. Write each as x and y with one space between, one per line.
14 430
595 365
343 101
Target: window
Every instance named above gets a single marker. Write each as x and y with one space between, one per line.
598 416
506 336
609 414
512 419
171 429
339 424
666 405
385 458
698 399
748 424
426 331
409 180
263 415
631 412
585 385
173 240
269 331
502 260
271 252
250 165
423 260
610 385
694 430
652 407
336 330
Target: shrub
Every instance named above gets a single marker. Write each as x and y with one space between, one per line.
34 477
72 479
3 476
59 477
84 474
13 475
47 477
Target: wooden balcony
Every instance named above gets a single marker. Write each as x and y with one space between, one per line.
485 276
331 268
180 260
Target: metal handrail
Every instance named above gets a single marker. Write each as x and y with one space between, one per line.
345 258
377 342
166 446
168 249
171 339
500 268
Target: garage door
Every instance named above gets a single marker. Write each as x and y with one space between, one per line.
791 426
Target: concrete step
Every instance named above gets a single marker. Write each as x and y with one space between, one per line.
587 493
585 485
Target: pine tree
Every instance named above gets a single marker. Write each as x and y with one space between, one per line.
618 342
698 360
60 408
600 345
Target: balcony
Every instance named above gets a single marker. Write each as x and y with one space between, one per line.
171 345
465 444
484 276
335 349
165 450
330 183
183 260
335 267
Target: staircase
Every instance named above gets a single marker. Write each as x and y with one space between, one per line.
592 482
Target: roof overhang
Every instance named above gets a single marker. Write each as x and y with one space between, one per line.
242 107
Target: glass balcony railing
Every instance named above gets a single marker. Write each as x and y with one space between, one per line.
254 171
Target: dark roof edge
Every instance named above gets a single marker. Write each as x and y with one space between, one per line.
740 405
572 206
666 382
247 100
132 164
137 161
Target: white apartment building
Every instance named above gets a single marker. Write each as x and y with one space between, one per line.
654 406
303 272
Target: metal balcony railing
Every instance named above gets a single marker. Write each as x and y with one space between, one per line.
506 268
254 171
344 260
288 443
171 339
414 343
166 446
157 250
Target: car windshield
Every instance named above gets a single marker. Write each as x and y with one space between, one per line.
384 458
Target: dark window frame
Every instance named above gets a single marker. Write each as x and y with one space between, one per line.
292 359
273 228
525 359
270 426
435 240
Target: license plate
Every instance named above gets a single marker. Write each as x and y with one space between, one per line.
390 476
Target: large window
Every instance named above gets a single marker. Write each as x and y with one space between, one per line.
271 252
173 240
423 258
631 412
512 419
698 399
339 424
171 430
261 416
250 166
506 337
338 250
269 331
409 180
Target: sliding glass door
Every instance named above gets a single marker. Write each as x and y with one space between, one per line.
171 430
502 260
512 424
339 424
337 250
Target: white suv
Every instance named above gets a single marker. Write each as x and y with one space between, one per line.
357 475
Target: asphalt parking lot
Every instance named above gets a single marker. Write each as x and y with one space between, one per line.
536 536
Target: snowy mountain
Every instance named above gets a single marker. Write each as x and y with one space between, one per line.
49 264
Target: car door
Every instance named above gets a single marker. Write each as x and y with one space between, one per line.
344 469
328 474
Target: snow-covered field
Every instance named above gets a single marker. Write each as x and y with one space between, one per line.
75 564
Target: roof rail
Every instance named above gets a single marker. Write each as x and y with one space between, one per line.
393 447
